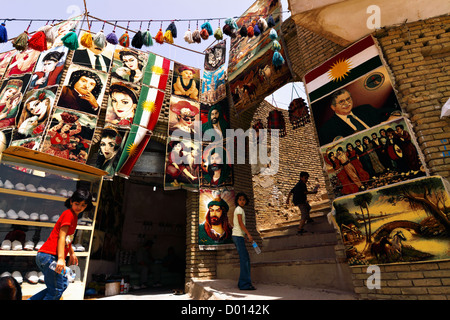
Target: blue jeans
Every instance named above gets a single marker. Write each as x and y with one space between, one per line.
56 283
245 281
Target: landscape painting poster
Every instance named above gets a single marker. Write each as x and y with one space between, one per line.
404 222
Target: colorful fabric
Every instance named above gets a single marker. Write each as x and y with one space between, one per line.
156 72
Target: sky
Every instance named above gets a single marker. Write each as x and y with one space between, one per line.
112 10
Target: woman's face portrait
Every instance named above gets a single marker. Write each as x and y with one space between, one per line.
8 94
131 62
122 104
38 108
85 85
48 66
177 148
107 145
66 127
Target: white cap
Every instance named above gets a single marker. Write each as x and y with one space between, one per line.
38 245
6 245
23 215
8 185
32 277
29 245
43 217
2 214
12 214
16 275
31 187
16 245
34 216
20 186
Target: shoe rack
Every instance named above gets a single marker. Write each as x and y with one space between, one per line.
33 189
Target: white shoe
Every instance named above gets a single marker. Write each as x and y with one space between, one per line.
41 189
34 216
12 214
2 214
16 245
69 193
30 188
16 275
5 274
63 193
32 277
22 215
29 245
38 245
8 185
51 191
43 217
1 184
20 186
6 245
41 277
79 248
55 218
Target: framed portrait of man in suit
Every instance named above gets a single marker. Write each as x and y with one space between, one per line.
96 57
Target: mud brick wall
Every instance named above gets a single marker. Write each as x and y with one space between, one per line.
418 55
415 281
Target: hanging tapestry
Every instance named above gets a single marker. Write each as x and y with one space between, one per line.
183 164
95 57
5 59
186 81
128 64
83 90
351 92
216 211
405 222
251 73
36 112
214 74
23 62
156 72
63 28
49 68
382 155
122 103
275 120
215 120
69 135
298 113
107 148
217 165
184 117
11 94
147 114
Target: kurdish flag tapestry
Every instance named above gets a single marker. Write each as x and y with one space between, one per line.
351 92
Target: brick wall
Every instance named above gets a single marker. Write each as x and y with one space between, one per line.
417 56
415 281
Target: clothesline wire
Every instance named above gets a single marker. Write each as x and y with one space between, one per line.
142 20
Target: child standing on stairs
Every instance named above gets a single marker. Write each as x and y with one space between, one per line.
300 192
239 231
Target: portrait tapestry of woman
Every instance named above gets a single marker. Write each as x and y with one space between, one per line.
128 65
122 103
10 98
109 150
49 68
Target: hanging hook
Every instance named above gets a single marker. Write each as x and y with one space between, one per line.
148 26
31 21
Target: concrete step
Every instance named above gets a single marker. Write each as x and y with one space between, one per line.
306 252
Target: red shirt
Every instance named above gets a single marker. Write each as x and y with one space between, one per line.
67 218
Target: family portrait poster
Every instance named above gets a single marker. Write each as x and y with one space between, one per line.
404 222
377 157
215 218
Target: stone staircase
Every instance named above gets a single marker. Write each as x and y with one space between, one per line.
315 259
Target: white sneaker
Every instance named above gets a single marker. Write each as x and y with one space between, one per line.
41 277
51 191
63 193
41 189
16 245
22 215
29 245
8 185
6 245
20 186
32 277
34 216
38 245
43 217
55 218
16 275
79 248
12 214
2 214
30 188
